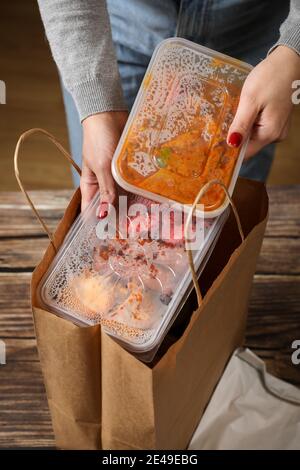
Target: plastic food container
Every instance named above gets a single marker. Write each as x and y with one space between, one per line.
134 286
175 138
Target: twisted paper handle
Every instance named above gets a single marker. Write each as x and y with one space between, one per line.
23 137
201 193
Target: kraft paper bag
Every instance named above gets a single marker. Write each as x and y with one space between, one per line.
159 407
70 360
100 396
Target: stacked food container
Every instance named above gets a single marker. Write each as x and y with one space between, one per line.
124 272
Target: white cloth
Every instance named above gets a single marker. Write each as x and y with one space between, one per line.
250 409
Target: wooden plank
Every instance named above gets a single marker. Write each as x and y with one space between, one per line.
287 196
17 218
34 100
284 218
274 323
15 310
278 255
21 253
278 360
283 221
278 363
21 350
21 222
24 414
57 199
274 299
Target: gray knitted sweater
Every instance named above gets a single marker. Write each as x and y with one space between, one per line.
80 39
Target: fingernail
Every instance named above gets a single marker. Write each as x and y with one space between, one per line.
102 211
235 139
102 215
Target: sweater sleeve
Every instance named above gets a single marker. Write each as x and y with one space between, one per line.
80 39
290 29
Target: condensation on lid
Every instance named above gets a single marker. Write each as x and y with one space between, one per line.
131 286
175 138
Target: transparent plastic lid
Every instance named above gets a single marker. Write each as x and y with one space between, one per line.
131 283
175 138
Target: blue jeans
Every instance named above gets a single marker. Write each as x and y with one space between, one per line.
244 29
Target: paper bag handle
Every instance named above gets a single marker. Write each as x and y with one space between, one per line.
23 137
201 193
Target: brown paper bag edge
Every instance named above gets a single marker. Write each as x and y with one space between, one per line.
71 432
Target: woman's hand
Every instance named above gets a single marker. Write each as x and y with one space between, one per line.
101 134
265 104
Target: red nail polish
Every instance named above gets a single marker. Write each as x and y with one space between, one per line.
102 210
235 139
102 214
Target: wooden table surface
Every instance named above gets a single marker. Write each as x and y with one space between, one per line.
274 319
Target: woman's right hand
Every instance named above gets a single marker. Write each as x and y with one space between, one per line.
265 105
101 134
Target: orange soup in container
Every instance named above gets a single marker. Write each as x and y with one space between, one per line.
175 139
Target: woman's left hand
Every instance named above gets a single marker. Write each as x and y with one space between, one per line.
265 105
